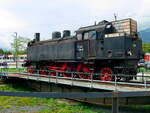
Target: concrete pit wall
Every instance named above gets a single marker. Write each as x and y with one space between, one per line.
50 87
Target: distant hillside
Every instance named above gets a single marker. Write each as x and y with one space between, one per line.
145 34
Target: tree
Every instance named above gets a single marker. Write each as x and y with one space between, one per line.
1 51
7 52
19 45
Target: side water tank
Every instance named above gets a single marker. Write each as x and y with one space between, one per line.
66 33
56 35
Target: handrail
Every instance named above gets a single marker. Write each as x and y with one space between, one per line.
145 79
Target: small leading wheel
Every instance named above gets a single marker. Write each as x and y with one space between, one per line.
105 74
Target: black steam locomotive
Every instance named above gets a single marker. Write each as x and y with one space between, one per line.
105 48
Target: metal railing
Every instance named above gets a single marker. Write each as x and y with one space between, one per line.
142 79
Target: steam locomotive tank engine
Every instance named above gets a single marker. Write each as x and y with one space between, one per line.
106 48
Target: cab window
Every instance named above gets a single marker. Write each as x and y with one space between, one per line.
90 35
86 35
79 36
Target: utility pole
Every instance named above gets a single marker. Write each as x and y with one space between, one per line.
115 16
16 56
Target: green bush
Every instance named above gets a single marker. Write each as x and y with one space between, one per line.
146 47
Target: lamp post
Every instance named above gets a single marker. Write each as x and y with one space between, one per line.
16 56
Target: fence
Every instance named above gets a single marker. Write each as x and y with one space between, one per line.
142 79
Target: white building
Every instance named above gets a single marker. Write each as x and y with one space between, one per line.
9 61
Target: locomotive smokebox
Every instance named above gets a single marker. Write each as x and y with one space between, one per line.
66 33
37 37
56 35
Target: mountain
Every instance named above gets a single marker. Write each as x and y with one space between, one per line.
145 34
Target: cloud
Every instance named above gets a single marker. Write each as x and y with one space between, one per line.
6 39
9 22
105 9
5 2
97 10
29 16
143 15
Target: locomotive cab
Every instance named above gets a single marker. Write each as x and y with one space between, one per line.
90 39
94 32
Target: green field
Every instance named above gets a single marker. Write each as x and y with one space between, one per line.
13 69
143 69
40 105
49 105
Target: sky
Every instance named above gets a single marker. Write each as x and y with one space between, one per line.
45 16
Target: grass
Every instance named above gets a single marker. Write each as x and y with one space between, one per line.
143 69
13 69
45 105
49 105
